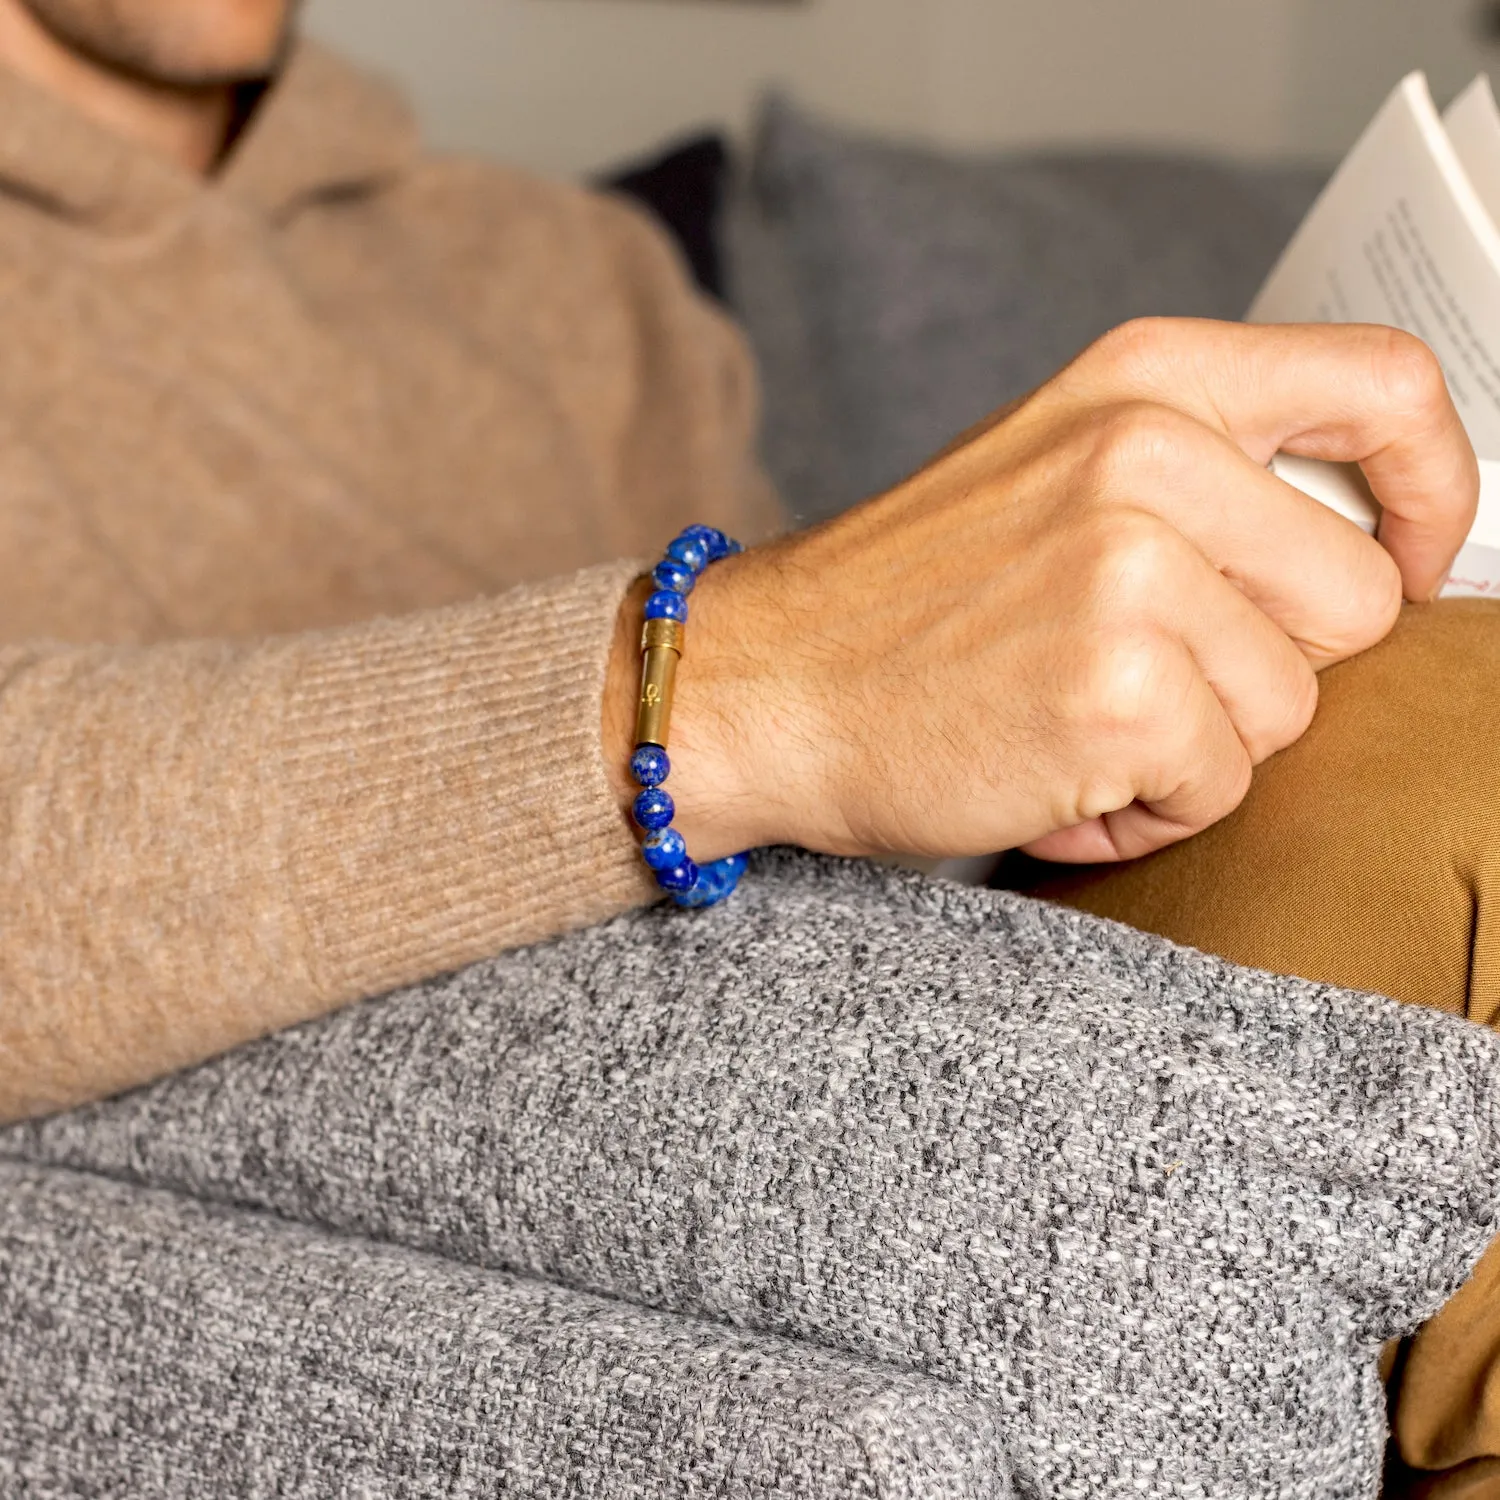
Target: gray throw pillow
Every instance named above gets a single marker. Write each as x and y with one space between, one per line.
895 295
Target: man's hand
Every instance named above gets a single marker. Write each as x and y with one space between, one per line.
1079 628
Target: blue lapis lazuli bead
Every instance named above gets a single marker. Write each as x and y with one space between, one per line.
714 540
664 604
649 766
690 551
680 878
665 849
653 809
672 576
714 883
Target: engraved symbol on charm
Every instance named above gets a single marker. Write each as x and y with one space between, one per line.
651 695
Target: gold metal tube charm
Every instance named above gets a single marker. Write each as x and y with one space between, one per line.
661 647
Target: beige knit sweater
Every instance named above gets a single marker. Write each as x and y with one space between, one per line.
283 723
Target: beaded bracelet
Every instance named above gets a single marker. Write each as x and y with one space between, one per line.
663 848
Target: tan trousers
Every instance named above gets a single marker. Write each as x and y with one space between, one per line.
1368 856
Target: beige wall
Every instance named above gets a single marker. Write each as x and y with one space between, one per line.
566 85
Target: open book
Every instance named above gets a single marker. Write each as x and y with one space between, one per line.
1406 234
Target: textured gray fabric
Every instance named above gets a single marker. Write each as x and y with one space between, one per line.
799 444
152 1348
897 295
1156 1211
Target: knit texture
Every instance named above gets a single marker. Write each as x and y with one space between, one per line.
1156 1212
276 729
156 1349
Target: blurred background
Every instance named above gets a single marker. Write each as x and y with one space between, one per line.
947 199
567 86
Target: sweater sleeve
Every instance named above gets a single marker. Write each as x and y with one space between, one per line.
204 842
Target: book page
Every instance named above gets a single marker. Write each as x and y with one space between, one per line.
1401 237
1473 125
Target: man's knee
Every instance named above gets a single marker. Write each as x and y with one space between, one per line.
1368 854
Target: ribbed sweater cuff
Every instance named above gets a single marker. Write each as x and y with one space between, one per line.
442 784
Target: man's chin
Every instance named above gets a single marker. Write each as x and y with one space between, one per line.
200 74
187 45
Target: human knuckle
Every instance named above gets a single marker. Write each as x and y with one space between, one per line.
1133 559
1235 786
1410 375
1137 346
1287 712
1385 598
1220 769
1372 604
1301 702
1356 607
1131 445
1123 684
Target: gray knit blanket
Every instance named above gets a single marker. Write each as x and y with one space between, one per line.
849 1187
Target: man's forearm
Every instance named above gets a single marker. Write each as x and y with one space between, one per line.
204 842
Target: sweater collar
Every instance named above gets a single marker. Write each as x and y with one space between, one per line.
322 127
